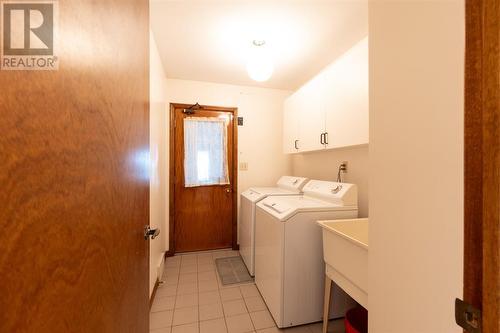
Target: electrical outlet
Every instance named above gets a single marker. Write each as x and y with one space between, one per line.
346 166
243 166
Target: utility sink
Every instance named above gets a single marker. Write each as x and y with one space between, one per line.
345 251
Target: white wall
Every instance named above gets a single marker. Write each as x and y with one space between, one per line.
346 121
157 195
259 139
323 165
416 168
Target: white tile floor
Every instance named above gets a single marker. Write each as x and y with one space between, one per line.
192 300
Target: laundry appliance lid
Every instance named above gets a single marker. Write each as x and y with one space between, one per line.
286 185
255 194
318 196
284 207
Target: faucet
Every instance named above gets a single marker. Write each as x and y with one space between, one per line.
342 169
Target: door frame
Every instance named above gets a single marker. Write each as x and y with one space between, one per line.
482 161
234 222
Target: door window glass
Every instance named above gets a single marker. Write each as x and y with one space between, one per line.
205 151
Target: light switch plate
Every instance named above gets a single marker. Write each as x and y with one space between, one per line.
243 166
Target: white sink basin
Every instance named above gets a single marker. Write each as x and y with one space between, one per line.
345 251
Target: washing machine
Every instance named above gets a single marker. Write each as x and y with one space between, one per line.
289 267
286 185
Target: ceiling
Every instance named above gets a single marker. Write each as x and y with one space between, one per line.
209 40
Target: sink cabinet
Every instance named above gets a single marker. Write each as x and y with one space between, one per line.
345 252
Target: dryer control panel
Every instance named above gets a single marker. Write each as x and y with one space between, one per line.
292 183
342 193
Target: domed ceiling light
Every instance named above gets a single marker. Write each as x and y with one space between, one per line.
260 66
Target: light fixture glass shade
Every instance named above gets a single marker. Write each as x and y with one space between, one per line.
260 66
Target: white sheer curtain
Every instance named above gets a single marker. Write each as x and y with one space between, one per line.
205 152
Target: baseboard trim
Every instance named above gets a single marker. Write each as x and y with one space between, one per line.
153 294
171 253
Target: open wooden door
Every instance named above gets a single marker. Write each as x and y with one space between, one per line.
482 164
74 185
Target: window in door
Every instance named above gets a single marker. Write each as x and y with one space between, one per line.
205 152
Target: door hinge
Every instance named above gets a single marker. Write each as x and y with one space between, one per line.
467 316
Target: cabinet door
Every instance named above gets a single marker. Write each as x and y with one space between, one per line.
291 125
346 98
311 114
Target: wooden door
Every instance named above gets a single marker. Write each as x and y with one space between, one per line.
204 215
482 161
73 178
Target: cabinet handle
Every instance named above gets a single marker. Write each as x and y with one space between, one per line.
296 144
321 140
326 138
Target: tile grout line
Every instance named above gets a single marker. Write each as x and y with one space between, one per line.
220 296
219 288
248 311
175 300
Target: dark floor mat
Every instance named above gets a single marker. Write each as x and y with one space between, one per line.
232 270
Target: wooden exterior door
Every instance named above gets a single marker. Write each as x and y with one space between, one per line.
74 186
204 215
482 161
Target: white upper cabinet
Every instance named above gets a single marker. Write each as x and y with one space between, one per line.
331 110
291 125
311 104
346 98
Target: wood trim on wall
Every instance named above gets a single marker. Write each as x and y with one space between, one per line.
153 294
171 184
235 174
482 161
171 233
473 177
